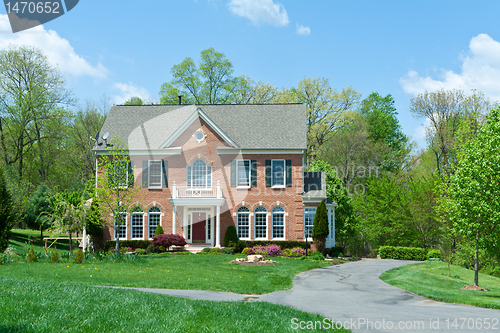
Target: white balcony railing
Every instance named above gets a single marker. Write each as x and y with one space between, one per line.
196 192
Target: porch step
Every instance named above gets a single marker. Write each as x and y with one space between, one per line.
195 248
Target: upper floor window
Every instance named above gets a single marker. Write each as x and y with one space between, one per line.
278 173
243 173
199 174
154 173
120 174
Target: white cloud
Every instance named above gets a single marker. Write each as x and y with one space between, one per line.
260 11
130 90
480 70
301 30
58 50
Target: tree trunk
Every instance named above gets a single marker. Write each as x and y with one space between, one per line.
476 265
41 234
117 248
70 244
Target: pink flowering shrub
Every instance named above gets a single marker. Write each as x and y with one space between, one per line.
297 252
259 249
247 250
273 250
168 240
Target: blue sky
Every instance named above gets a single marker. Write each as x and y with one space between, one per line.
125 48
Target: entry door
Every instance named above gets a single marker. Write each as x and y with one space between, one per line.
199 225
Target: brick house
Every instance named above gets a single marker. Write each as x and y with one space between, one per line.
203 168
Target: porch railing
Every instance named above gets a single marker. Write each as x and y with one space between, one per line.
196 192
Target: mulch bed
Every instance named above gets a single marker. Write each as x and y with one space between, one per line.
474 287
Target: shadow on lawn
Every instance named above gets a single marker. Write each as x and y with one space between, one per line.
24 239
16 328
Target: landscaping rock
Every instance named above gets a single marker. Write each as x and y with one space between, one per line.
474 287
255 258
240 259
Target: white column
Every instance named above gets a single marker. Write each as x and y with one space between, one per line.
174 220
217 231
84 239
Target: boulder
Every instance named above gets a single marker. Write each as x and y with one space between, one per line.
255 258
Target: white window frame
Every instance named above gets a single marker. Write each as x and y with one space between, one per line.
121 226
284 173
284 224
255 213
149 174
309 208
249 173
149 223
190 175
141 214
238 213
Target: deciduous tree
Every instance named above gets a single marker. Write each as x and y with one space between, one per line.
6 217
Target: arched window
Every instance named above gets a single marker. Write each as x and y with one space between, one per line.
278 214
120 223
137 223
154 215
199 174
243 222
260 214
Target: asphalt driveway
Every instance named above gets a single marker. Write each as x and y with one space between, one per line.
354 295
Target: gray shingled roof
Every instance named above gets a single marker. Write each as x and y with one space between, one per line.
270 126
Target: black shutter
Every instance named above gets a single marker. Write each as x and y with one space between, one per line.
233 173
253 172
288 173
268 173
145 181
111 174
164 170
130 174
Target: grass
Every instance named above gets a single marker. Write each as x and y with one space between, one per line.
19 242
41 306
431 280
199 272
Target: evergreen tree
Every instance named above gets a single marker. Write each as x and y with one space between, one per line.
38 209
320 226
6 220
159 230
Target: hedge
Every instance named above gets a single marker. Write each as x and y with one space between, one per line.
407 253
134 244
281 244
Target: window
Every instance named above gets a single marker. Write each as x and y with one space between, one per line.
243 222
199 174
278 173
137 223
199 136
153 220
260 222
243 173
119 174
278 222
155 173
309 213
120 223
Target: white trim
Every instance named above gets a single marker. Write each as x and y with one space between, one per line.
198 113
132 214
165 151
249 173
126 226
284 225
249 224
304 222
159 222
284 173
266 213
236 151
149 174
188 220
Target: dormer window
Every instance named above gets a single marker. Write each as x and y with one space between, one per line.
199 174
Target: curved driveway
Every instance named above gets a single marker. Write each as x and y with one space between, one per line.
353 294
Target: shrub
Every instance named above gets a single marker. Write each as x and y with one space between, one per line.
159 230
54 256
247 250
259 249
433 253
183 253
215 250
140 251
78 257
125 249
168 240
206 250
317 256
228 250
134 244
285 252
231 236
320 226
31 256
289 244
403 253
273 250
152 249
297 252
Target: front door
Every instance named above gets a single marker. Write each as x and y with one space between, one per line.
199 225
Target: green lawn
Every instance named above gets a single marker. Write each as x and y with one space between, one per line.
40 306
201 272
431 280
19 239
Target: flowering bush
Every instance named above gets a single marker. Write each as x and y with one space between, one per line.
259 249
247 250
297 252
168 240
125 250
273 250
